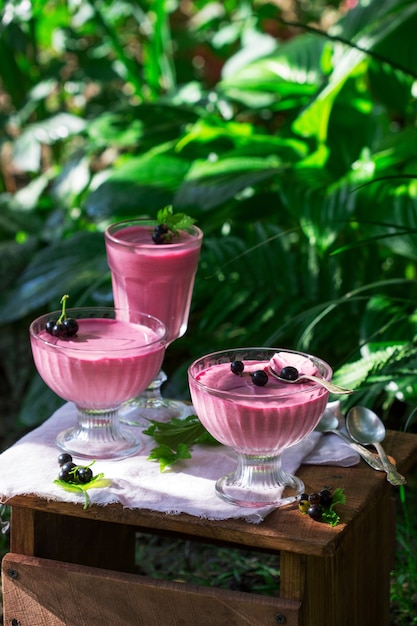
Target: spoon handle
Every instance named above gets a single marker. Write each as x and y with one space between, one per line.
372 460
393 476
326 384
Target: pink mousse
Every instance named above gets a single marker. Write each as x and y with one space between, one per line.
108 362
157 279
254 419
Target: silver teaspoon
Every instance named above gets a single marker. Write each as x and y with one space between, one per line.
331 387
365 427
329 424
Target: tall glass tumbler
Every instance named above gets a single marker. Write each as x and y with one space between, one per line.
158 279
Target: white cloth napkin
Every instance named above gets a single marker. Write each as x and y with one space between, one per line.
30 467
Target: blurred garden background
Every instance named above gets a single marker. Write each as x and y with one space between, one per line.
286 129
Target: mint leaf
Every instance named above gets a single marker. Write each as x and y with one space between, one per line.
174 221
330 517
338 497
177 431
168 457
175 438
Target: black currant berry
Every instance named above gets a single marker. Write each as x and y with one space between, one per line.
159 234
289 373
59 330
315 512
66 472
71 326
237 367
83 475
314 498
64 458
49 326
326 497
259 378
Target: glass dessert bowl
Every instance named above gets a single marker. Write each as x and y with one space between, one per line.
157 279
259 416
113 356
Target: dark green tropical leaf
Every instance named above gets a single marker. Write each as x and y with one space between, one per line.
39 403
141 185
64 267
314 120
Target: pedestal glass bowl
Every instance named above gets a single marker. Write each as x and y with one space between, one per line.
114 356
158 279
258 422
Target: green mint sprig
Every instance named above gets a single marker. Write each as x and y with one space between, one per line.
167 457
176 438
174 221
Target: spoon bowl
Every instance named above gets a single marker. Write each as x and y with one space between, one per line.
330 424
365 427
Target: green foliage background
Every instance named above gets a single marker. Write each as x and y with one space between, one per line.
289 137
286 129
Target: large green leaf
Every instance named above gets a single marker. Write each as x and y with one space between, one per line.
63 267
211 192
39 403
27 148
294 63
385 321
14 257
378 26
140 185
322 214
245 137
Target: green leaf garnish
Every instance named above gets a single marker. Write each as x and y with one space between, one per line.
175 438
96 482
174 221
168 457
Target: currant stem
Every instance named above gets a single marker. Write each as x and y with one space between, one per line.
63 315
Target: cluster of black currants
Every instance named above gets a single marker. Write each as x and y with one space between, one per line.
64 326
161 234
64 329
314 503
259 378
71 473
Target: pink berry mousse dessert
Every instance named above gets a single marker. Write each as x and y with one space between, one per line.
153 269
108 359
158 279
244 406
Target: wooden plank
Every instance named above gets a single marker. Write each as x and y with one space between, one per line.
40 592
22 530
284 529
72 539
